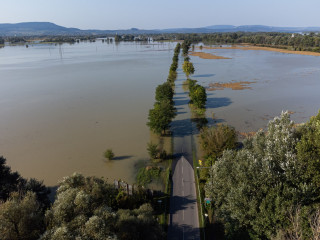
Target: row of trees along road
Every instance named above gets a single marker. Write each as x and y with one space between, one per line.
270 188
197 93
164 111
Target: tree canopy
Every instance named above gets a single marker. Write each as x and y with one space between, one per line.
253 189
161 116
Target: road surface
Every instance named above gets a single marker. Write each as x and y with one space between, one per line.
184 221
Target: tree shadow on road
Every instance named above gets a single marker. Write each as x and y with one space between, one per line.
177 232
181 128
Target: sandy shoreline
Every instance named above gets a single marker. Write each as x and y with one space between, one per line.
248 47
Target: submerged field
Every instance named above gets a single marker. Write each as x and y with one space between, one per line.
64 105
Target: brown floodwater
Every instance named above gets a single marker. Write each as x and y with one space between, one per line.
63 106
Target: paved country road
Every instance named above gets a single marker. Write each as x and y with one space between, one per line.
184 222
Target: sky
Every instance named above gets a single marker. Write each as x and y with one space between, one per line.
150 14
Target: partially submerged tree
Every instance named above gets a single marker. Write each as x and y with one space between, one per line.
188 68
109 154
161 116
164 92
153 150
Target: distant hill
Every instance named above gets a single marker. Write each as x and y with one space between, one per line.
47 28
35 28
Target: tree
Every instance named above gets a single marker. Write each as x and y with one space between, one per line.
85 208
138 224
21 217
164 92
109 154
153 150
9 181
188 68
82 209
253 188
161 116
308 151
198 96
216 139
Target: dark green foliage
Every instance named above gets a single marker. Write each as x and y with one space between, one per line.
185 47
298 42
138 224
198 96
172 77
164 92
308 152
12 182
1 40
109 154
152 150
9 181
161 116
163 112
255 189
147 175
216 139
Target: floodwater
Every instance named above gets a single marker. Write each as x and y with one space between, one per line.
62 106
279 82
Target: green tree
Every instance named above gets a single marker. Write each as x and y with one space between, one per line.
254 188
198 96
109 154
161 116
188 68
138 224
82 209
216 139
21 217
9 181
153 150
308 152
164 92
85 208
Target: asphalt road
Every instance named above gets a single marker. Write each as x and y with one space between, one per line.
184 221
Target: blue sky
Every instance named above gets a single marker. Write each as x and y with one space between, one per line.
150 14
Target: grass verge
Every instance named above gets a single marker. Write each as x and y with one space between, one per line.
199 199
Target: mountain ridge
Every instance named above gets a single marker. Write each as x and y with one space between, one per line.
48 28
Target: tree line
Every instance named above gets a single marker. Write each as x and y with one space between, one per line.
84 208
164 111
269 188
197 93
297 42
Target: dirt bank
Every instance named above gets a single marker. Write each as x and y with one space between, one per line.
233 85
207 55
248 47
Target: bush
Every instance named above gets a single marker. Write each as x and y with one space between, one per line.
109 154
153 150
